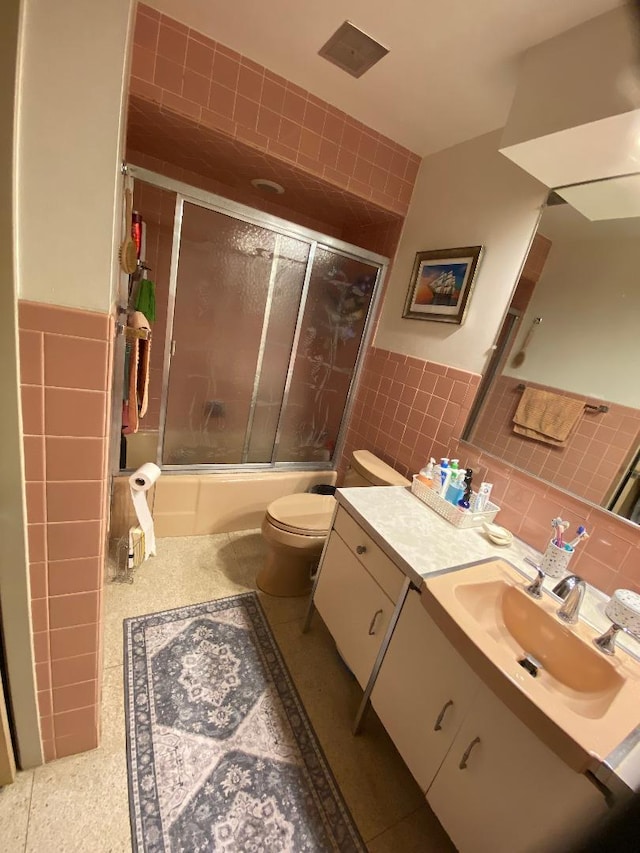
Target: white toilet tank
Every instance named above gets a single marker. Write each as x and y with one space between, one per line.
366 469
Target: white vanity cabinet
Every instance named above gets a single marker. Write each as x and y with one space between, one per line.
491 782
423 691
356 593
501 789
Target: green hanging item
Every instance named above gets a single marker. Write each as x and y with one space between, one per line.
146 299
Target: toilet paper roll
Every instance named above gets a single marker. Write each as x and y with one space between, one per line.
139 484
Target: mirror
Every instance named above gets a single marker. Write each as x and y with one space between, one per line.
561 395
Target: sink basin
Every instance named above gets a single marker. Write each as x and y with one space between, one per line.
508 614
581 703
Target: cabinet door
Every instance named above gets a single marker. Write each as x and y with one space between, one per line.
354 608
501 789
423 691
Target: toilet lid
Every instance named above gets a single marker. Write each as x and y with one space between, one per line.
309 515
377 472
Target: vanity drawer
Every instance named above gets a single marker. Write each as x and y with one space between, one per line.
387 575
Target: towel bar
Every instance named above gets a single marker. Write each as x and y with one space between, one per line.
589 406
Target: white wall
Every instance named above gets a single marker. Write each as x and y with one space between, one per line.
589 338
71 114
467 195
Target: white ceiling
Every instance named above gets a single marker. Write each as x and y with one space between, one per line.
451 71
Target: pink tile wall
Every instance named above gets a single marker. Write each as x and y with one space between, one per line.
408 409
244 195
609 559
218 88
595 457
65 380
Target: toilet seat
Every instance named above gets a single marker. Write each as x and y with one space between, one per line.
302 514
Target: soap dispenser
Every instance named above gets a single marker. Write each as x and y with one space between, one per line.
426 474
445 476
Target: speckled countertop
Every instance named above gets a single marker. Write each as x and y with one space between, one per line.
420 542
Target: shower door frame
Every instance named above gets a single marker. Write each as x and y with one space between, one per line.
219 204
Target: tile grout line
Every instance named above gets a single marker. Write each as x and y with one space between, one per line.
368 841
26 833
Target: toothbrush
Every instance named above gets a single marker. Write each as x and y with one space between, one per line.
560 526
582 534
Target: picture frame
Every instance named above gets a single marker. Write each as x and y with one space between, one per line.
441 284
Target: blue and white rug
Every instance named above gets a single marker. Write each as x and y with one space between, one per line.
222 755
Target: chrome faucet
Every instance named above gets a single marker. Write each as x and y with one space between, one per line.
572 589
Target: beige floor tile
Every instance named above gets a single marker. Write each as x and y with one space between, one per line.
80 804
419 832
14 812
279 610
113 725
186 570
374 780
384 800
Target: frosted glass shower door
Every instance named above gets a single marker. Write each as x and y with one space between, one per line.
237 298
333 323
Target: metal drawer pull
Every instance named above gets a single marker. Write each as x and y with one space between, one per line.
361 549
467 753
372 626
438 724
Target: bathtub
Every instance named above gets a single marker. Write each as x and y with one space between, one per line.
200 503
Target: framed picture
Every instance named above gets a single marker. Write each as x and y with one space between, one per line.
441 284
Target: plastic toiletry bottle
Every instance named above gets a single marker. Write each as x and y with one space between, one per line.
465 500
453 474
426 474
445 476
456 487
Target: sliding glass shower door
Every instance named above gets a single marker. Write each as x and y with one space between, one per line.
262 350
237 297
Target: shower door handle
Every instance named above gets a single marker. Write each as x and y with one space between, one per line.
172 349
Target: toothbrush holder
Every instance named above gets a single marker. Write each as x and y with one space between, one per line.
555 560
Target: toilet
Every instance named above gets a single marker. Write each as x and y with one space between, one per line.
295 527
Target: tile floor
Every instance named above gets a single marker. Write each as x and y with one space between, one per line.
80 803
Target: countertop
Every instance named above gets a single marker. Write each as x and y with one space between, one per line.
421 543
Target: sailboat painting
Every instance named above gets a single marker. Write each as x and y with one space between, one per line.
441 284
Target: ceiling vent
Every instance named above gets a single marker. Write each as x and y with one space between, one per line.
267 186
352 50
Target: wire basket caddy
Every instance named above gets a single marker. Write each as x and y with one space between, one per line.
462 518
129 554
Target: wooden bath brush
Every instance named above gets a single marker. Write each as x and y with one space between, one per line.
128 249
519 357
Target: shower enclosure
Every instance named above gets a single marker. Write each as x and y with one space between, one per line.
260 329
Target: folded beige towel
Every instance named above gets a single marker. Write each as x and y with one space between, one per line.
547 417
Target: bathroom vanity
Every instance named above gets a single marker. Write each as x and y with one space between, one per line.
495 765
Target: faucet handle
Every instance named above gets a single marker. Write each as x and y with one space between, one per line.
535 587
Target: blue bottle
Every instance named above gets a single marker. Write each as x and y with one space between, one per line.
456 488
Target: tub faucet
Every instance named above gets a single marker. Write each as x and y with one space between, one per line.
572 589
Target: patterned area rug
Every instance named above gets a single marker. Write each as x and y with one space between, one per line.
221 752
